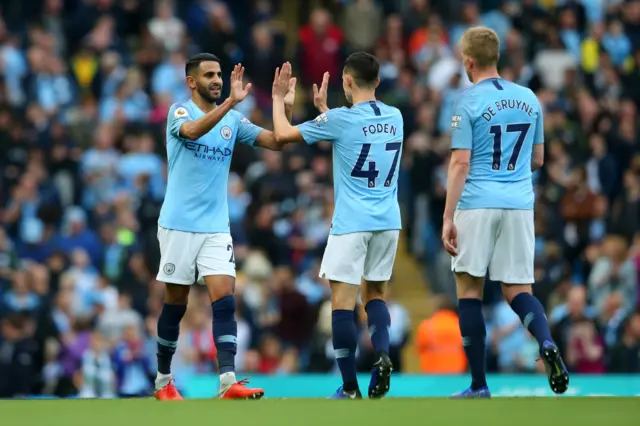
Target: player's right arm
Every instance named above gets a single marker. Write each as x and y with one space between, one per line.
186 128
537 156
183 126
461 144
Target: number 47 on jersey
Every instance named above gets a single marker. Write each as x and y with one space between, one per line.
371 173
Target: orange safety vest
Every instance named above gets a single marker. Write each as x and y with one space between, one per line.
439 345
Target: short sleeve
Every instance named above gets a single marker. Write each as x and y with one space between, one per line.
538 136
247 131
461 126
325 127
178 115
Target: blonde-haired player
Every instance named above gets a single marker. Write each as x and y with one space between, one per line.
497 142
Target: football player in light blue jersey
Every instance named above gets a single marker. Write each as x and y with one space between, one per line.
367 143
497 141
193 228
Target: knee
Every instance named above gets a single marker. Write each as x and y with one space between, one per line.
511 291
176 295
469 287
470 293
220 286
374 290
343 296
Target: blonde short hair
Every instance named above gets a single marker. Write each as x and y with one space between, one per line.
482 45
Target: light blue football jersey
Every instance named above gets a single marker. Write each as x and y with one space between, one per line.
196 196
499 122
367 146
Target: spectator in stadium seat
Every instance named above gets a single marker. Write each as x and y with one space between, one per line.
601 168
578 209
70 357
571 313
17 351
220 35
613 272
312 286
616 43
168 78
142 160
76 234
294 326
20 299
507 336
625 356
625 219
415 14
112 324
362 22
166 27
569 32
552 61
98 168
321 43
130 104
270 354
96 375
132 365
265 54
585 352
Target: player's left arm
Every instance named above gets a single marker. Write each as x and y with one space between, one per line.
461 144
284 131
267 139
537 156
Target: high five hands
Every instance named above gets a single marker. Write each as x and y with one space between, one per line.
284 85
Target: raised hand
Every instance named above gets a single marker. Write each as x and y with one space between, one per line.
320 95
282 81
237 92
290 97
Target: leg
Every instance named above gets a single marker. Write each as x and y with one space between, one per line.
476 236
174 308
378 318
225 328
343 265
472 326
345 334
531 313
217 266
512 265
178 276
378 268
529 309
379 322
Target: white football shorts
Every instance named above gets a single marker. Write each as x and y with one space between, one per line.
182 252
502 241
350 257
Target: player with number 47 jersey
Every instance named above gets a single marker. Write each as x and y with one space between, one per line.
497 141
367 146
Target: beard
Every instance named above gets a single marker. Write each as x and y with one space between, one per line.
205 93
469 75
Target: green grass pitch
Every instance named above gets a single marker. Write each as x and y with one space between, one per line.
307 412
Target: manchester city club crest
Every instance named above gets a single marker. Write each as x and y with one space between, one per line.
226 132
169 268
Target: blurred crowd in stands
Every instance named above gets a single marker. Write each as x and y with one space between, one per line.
85 90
